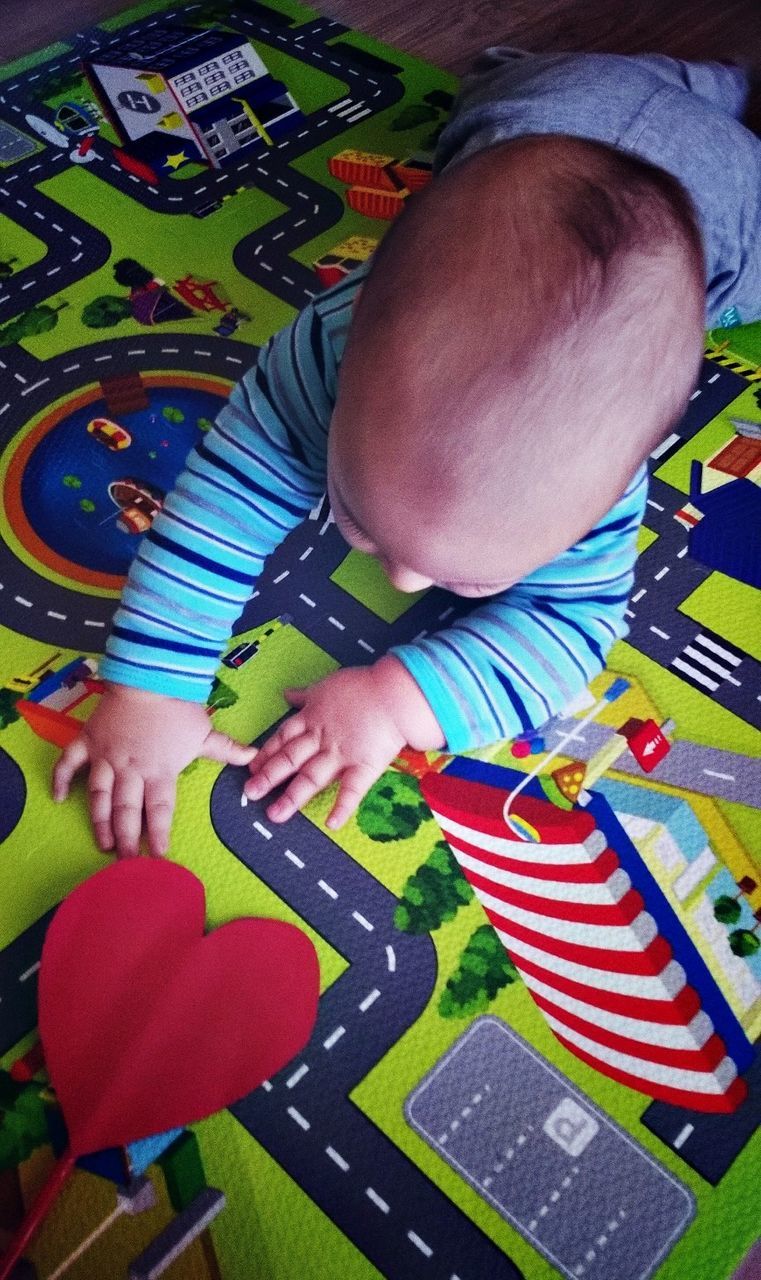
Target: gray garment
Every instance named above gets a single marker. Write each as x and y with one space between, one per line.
683 117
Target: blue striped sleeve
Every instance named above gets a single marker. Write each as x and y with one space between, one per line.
518 659
245 485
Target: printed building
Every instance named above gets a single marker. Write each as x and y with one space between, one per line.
176 95
601 950
677 850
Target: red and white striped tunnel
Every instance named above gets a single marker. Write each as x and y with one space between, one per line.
587 949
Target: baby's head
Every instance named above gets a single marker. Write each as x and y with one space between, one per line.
530 329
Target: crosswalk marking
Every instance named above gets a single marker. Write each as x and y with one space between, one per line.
707 661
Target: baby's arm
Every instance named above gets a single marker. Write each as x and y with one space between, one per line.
518 659
505 667
250 480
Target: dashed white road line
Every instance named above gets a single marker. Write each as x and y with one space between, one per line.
369 1000
360 919
327 888
424 1248
300 1120
682 1136
298 1074
306 600
337 1159
333 1038
364 645
377 1200
263 831
294 858
336 623
665 444
34 386
391 957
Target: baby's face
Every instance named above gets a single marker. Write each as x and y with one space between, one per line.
376 517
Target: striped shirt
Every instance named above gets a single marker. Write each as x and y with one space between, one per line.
507 665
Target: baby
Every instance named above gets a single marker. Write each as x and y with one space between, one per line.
479 402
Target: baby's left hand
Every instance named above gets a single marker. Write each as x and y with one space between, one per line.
344 730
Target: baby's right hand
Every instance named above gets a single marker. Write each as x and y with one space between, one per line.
136 743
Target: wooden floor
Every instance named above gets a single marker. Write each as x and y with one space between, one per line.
450 33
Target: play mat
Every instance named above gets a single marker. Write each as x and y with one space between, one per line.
535 1048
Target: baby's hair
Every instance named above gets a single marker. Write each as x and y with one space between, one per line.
611 209
534 320
621 203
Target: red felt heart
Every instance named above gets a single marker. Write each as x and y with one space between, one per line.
146 1023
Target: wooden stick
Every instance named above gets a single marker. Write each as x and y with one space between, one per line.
37 1213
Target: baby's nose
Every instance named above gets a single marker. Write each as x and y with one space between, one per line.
405 579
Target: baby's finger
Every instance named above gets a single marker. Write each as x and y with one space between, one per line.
218 746
355 783
160 796
317 774
289 729
69 763
127 814
268 773
296 696
100 787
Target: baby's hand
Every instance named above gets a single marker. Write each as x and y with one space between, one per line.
136 743
342 731
350 726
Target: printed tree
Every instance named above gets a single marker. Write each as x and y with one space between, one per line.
728 909
414 114
172 414
745 942
393 808
6 267
422 113
209 12
221 695
434 894
72 482
63 81
22 1120
30 323
484 969
204 424
8 709
131 274
106 311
